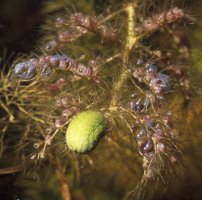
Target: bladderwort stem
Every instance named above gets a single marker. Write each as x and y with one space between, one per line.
131 40
64 187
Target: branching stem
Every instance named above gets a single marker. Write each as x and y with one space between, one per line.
131 40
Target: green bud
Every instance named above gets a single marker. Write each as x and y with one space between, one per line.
84 131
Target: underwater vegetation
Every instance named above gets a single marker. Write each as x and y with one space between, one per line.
105 105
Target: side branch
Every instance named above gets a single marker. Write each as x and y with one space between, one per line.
64 188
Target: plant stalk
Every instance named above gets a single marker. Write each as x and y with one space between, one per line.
131 40
64 188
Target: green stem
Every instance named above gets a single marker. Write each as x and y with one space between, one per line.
131 40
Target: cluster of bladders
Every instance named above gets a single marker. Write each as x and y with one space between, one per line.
77 25
157 83
68 107
156 141
154 132
161 19
44 67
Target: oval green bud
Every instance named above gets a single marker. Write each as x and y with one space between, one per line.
84 131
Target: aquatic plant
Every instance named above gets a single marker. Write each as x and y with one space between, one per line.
63 100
